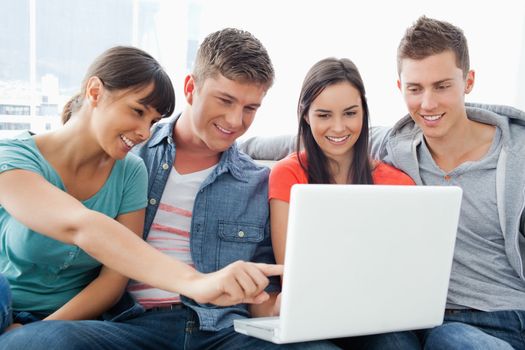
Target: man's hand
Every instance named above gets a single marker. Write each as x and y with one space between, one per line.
238 283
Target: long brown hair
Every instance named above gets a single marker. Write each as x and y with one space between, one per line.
324 73
124 67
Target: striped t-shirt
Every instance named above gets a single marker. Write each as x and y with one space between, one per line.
170 231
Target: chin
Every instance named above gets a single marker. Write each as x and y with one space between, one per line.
218 147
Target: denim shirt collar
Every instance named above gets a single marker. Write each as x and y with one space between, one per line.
228 162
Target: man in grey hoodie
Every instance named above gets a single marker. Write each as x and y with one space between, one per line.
481 148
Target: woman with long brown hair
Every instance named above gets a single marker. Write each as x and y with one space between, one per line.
332 142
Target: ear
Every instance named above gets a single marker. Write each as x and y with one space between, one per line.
189 88
399 84
469 82
94 90
307 119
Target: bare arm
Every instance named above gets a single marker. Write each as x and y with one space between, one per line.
64 218
279 225
105 290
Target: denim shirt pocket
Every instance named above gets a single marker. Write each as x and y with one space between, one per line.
238 241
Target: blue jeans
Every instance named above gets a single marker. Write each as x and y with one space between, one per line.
160 329
462 330
385 341
478 330
5 304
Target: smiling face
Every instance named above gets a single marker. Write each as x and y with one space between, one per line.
434 90
120 121
336 119
220 110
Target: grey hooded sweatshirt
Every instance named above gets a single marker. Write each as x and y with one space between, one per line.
399 147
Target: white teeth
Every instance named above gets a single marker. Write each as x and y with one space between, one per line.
127 141
337 139
432 117
224 130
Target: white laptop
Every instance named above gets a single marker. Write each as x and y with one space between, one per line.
363 259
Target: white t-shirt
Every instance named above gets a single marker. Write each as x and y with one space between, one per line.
170 231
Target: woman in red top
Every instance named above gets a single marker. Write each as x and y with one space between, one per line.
333 128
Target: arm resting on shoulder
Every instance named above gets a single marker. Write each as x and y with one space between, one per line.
269 147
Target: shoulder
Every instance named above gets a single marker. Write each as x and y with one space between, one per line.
242 166
246 163
289 167
19 150
22 145
288 164
384 174
133 161
130 169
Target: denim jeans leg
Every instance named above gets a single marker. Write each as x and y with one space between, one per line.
5 304
478 330
150 330
227 339
386 341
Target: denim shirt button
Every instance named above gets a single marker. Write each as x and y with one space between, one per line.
152 201
165 166
240 234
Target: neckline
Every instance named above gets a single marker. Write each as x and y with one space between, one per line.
61 182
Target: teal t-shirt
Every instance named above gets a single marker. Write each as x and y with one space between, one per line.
45 273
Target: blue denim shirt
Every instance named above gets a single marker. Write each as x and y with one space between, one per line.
230 216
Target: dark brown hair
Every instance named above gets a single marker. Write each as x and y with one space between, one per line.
429 37
124 67
324 73
237 55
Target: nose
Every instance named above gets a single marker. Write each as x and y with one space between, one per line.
338 124
143 131
234 118
428 101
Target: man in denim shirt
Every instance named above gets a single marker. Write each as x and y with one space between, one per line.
208 207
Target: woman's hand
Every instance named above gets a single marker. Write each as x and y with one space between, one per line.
240 282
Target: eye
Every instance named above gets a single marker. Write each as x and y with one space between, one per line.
225 101
322 115
413 89
443 86
350 113
154 121
138 111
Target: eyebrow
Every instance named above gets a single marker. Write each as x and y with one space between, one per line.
351 107
228 96
434 83
146 106
327 110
